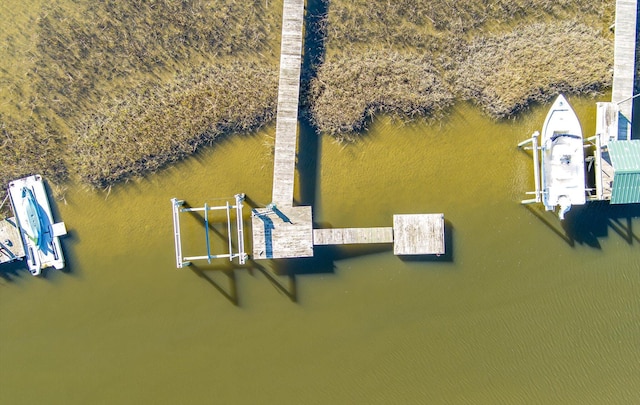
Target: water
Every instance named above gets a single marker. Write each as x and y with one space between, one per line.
522 309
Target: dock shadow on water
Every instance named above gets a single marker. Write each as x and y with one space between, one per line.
308 137
227 287
592 221
587 224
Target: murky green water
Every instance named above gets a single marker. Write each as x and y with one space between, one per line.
521 310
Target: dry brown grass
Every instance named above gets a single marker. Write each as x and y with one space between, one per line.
505 73
535 50
154 126
349 90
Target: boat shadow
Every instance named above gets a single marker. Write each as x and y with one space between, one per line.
588 224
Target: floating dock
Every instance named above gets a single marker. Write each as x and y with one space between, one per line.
39 234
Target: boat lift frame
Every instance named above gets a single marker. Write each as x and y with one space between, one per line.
536 167
536 148
178 207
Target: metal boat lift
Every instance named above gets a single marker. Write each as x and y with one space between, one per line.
536 167
178 207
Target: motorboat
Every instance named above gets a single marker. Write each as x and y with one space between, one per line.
563 181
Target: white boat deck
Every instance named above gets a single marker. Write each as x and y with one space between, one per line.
47 252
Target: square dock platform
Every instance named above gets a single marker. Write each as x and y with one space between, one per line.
418 234
282 232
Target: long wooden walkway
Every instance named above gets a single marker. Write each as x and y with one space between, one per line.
624 55
288 94
349 236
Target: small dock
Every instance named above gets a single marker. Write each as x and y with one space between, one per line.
11 247
288 95
282 232
412 234
418 234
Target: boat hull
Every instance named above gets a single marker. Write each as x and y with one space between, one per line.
562 159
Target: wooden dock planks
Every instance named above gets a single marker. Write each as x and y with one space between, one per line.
418 234
348 236
288 95
284 232
624 55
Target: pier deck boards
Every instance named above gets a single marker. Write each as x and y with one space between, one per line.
11 247
418 234
284 232
348 236
288 94
624 55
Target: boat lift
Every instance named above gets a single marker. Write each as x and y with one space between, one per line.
536 167
178 207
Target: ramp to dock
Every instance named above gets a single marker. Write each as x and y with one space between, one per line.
624 57
288 94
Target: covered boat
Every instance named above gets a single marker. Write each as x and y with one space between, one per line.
31 223
562 159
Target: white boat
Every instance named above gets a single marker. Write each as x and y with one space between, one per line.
40 235
562 159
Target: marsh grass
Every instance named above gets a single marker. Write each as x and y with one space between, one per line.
505 73
349 91
83 56
89 55
503 55
155 126
27 147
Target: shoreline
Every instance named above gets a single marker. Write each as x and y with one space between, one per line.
107 133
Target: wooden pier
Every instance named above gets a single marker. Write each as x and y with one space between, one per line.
613 120
411 234
288 94
624 58
350 236
280 230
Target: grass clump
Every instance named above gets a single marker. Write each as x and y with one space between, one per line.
155 126
349 90
29 147
505 73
